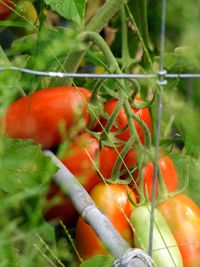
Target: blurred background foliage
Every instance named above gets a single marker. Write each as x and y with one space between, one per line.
39 35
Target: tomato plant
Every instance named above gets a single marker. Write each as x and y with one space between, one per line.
63 36
79 158
5 11
165 248
114 200
41 115
122 122
183 217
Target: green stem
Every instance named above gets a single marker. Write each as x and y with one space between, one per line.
125 50
140 37
111 119
133 133
98 40
116 170
130 116
104 14
147 135
113 66
163 192
96 24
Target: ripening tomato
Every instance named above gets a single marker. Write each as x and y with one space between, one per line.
121 120
114 200
5 11
41 115
79 159
183 217
168 172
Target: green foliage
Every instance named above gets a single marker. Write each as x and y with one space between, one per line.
72 10
139 12
23 165
98 261
7 79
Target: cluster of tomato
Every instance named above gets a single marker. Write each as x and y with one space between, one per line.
48 117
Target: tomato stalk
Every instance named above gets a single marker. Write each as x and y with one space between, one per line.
114 67
104 14
126 59
133 133
96 24
111 120
123 101
147 135
98 40
116 170
163 192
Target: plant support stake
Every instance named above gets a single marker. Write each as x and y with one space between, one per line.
97 219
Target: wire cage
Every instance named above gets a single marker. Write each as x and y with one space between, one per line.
125 256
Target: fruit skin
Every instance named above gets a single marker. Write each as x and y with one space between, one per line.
121 120
113 200
168 171
79 159
41 115
183 217
165 248
4 10
108 157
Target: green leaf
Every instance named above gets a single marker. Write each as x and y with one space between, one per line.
188 168
98 261
23 165
183 58
7 80
186 121
139 11
72 10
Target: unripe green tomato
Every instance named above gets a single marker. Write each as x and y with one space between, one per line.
165 249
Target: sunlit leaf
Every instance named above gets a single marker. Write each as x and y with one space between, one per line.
72 10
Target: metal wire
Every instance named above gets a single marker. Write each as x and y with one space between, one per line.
103 76
158 126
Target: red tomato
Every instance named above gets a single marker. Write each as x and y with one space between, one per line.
183 217
108 157
40 115
4 10
79 159
114 201
121 120
169 175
